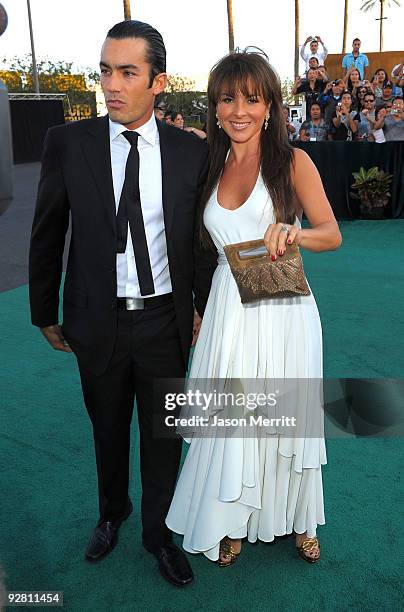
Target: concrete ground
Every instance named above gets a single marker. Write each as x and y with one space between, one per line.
15 227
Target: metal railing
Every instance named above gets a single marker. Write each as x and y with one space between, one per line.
40 96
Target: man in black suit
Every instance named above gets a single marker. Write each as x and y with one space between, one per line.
130 184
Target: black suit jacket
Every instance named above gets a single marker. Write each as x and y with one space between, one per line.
76 179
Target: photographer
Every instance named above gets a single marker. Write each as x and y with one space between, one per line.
353 81
344 124
387 95
330 98
397 76
311 87
366 118
378 81
314 52
393 123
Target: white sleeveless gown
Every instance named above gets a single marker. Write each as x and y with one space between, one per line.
265 487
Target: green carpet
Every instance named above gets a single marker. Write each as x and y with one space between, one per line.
48 478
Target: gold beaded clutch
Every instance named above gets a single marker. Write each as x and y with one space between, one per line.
260 278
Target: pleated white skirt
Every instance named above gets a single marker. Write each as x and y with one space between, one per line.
256 487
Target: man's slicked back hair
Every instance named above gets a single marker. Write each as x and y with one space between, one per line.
156 51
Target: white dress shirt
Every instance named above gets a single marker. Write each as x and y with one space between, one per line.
320 55
150 186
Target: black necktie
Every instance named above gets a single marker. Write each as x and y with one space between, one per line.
130 210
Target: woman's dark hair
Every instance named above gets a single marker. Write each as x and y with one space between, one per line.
251 74
156 51
350 85
311 70
386 78
349 93
175 114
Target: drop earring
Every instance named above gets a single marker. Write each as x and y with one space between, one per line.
218 123
266 120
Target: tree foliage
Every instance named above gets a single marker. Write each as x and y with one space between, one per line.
177 83
47 71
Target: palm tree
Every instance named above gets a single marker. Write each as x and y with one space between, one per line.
367 5
346 12
126 10
297 27
230 25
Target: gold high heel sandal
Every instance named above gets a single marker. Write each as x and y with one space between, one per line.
306 547
227 549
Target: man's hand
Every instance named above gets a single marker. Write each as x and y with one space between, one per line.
54 336
196 327
328 87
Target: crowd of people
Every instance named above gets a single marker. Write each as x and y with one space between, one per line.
176 119
353 107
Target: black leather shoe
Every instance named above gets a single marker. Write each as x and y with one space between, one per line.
173 565
105 537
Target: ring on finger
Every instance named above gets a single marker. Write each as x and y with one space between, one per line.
285 228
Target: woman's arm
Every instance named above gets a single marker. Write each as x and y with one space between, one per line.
353 124
380 122
296 85
195 131
324 234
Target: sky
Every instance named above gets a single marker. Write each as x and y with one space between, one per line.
195 33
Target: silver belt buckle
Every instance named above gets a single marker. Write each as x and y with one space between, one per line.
134 303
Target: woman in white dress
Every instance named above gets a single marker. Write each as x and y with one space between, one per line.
258 186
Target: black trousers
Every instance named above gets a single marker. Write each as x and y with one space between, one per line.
147 348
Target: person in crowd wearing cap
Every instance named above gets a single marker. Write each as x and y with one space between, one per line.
387 95
356 58
314 51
